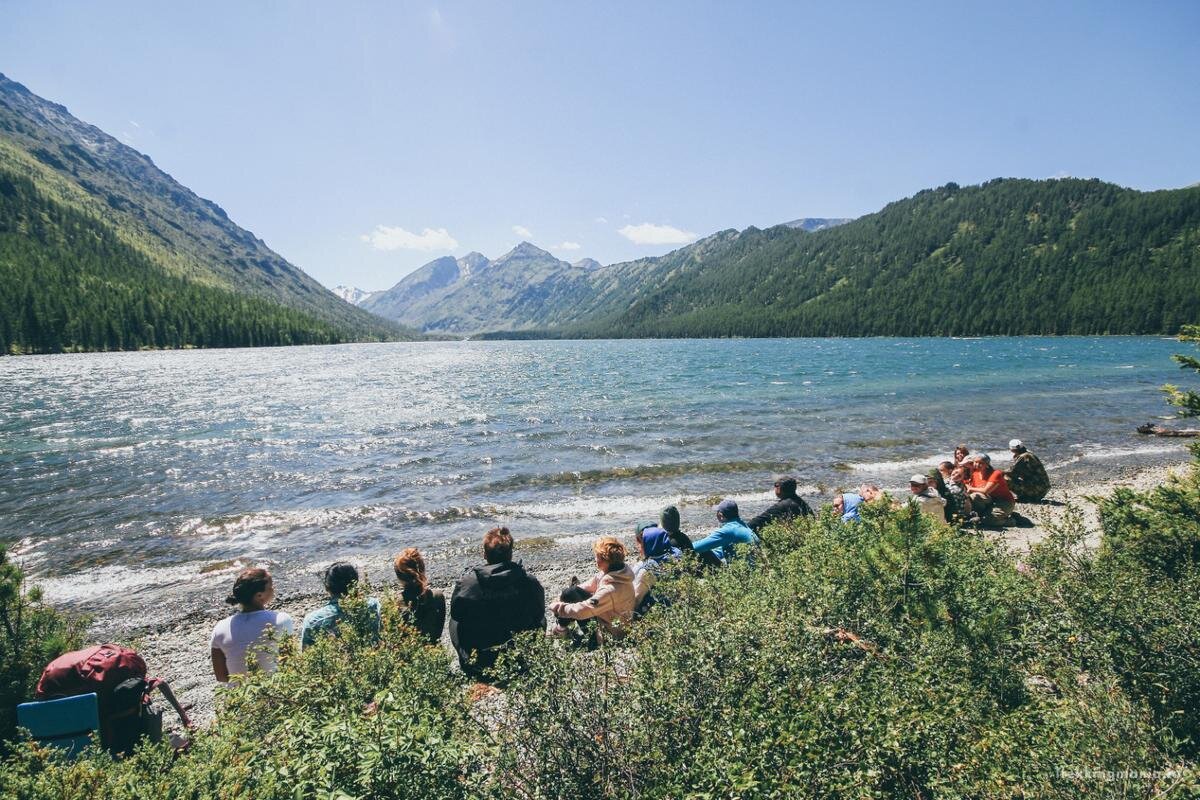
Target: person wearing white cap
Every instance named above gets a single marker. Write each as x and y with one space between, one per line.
1026 477
926 498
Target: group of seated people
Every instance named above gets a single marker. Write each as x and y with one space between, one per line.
965 491
492 603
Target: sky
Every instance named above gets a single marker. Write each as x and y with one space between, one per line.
362 140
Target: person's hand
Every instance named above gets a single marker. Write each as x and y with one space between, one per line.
556 607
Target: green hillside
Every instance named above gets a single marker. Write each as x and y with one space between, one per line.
90 179
1008 257
68 283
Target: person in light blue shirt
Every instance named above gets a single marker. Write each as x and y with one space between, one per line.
846 505
340 577
723 541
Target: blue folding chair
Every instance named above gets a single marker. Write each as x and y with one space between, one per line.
67 723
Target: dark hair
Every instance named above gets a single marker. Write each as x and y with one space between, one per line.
669 519
339 577
786 485
249 582
948 464
497 546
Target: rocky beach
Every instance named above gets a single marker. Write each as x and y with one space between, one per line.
178 651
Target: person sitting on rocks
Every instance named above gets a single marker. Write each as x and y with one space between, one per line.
788 505
493 603
339 579
990 495
657 552
252 635
870 492
961 455
958 498
1026 477
423 607
938 478
926 498
607 597
846 504
723 542
669 521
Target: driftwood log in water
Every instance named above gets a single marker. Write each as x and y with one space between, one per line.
1150 429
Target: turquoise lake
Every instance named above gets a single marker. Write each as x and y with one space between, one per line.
136 477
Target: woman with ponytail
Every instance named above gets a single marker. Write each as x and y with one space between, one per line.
249 638
423 607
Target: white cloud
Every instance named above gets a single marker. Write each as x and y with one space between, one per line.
1058 176
134 124
385 237
522 231
567 246
601 220
649 233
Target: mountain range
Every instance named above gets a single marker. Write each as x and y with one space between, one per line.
158 238
1007 257
101 250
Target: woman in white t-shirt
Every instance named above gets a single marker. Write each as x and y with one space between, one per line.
254 632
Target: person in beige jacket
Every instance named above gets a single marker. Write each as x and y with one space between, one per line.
607 597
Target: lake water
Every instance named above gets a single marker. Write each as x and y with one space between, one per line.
137 480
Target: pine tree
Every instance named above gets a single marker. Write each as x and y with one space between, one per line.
1187 401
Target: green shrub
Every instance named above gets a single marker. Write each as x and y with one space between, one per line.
890 658
31 635
1137 599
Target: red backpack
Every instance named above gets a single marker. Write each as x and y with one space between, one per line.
98 669
118 677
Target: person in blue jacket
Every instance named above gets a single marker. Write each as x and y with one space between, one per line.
846 505
723 541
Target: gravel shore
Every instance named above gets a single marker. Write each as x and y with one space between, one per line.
179 651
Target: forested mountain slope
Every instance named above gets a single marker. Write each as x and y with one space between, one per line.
1004 258
69 283
75 167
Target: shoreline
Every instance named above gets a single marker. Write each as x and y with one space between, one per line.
177 651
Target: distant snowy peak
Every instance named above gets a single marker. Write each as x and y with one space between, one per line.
817 223
350 294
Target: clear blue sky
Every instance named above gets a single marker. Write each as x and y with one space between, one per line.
348 134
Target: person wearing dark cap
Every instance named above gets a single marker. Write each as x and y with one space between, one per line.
654 545
723 541
788 505
340 577
669 522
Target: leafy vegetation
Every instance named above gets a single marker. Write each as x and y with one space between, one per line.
892 658
31 635
68 283
1187 400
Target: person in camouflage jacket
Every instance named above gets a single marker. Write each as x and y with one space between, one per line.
1026 477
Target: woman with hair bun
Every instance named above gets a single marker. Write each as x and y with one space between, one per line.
251 636
423 607
608 596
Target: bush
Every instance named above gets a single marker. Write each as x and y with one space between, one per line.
31 635
890 658
895 658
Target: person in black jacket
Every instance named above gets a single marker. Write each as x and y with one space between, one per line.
491 604
789 506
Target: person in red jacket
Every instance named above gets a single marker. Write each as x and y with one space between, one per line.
990 495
